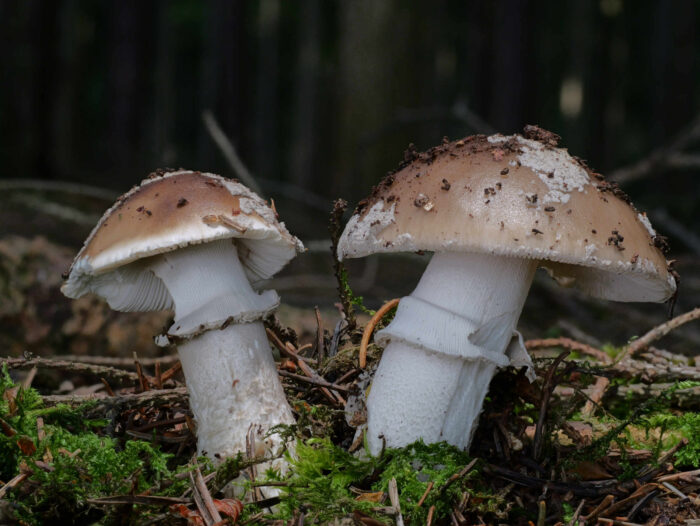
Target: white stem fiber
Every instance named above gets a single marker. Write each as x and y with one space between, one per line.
443 347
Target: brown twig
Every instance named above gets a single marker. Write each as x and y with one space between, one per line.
595 396
577 513
206 496
143 381
425 494
320 345
108 387
568 343
369 328
315 381
600 508
547 389
177 395
12 483
429 519
658 332
466 469
305 368
660 158
167 375
97 370
117 361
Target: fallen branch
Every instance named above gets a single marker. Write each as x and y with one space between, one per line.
568 343
117 361
177 395
97 370
658 332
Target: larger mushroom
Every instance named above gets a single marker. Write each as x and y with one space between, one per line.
492 209
200 244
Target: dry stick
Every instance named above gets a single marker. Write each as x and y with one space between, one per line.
547 389
674 489
604 505
616 522
685 476
425 494
596 395
229 151
394 499
132 400
161 423
143 382
108 387
658 332
660 157
643 490
12 483
429 519
199 502
206 496
117 361
320 347
466 469
542 512
305 368
159 376
97 370
369 328
152 500
575 517
568 343
167 375
27 383
315 381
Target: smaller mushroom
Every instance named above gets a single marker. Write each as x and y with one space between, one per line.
204 247
451 333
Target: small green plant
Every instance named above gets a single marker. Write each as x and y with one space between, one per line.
70 463
326 480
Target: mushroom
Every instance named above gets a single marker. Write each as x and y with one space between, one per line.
200 244
492 209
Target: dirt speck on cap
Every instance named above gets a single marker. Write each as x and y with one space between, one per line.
535 133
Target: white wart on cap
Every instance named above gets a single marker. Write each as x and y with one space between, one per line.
515 196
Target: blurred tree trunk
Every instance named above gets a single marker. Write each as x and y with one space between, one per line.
267 116
164 97
369 58
124 55
65 90
223 76
511 69
301 152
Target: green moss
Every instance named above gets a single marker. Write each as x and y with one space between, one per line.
323 477
71 463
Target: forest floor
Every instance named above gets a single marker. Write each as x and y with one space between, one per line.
95 426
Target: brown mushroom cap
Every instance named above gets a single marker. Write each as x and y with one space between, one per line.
519 197
171 210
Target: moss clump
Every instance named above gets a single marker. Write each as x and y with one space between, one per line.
326 481
71 463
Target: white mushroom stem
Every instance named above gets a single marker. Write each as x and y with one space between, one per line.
443 347
231 375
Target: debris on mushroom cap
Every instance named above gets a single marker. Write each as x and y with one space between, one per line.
515 196
170 210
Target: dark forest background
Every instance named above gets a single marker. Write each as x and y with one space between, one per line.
321 97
